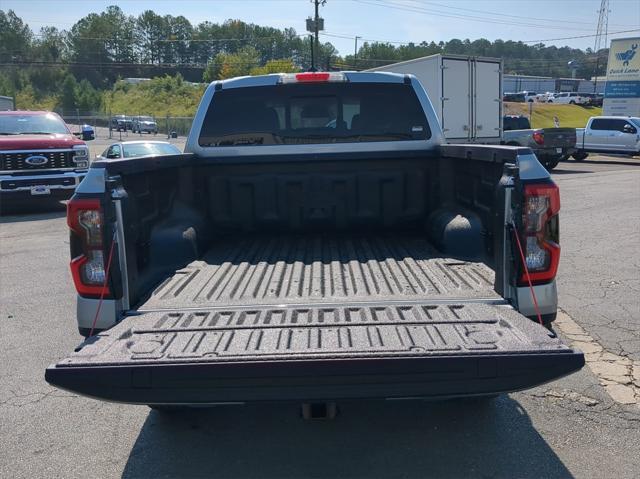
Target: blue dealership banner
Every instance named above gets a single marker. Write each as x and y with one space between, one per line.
622 89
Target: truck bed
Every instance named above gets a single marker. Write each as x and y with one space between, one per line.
310 318
322 269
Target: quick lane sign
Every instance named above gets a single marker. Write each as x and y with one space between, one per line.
624 60
622 93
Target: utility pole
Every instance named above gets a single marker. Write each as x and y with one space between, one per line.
355 54
601 31
314 25
313 57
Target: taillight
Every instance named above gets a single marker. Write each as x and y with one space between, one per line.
86 221
538 137
541 234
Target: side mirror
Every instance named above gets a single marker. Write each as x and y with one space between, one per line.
629 129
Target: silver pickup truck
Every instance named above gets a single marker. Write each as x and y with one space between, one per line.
316 242
609 134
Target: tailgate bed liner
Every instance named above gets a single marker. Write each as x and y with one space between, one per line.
315 352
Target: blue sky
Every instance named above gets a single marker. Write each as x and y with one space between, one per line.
386 20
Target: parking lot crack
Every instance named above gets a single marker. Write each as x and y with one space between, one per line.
616 372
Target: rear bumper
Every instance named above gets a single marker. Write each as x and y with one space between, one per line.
553 152
315 380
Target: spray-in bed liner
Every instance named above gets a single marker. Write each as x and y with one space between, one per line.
312 319
322 269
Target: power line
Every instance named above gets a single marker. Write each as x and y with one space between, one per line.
475 18
398 42
580 36
501 14
190 40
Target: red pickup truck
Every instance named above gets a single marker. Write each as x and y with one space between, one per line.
39 157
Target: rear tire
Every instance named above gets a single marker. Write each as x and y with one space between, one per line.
551 164
580 155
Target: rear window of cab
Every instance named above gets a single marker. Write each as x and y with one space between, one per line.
314 113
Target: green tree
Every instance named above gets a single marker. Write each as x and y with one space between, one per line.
88 99
15 38
153 31
98 40
275 66
229 65
68 96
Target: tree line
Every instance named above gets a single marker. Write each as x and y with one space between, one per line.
75 65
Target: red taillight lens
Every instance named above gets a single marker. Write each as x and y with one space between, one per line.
538 137
86 221
541 235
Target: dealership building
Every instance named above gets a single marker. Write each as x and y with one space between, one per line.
515 83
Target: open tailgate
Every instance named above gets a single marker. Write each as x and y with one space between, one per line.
315 352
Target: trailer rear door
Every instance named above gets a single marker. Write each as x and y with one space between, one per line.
456 99
487 100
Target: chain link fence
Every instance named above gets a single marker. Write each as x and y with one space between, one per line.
118 127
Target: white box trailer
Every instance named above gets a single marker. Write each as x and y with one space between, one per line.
466 93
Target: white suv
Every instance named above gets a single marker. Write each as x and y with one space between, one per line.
566 97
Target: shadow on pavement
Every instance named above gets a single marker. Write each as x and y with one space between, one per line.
560 171
368 439
610 160
42 210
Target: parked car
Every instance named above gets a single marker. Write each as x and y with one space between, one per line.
138 149
529 96
39 157
544 97
571 98
608 134
119 122
514 97
281 259
145 124
593 99
549 144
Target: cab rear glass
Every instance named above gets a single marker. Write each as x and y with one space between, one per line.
315 113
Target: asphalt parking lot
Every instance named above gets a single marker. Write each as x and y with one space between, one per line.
583 425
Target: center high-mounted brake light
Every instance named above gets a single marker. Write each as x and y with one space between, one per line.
86 222
540 234
313 77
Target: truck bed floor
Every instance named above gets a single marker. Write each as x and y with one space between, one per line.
263 270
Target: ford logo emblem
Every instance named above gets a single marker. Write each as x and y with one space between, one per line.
37 160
